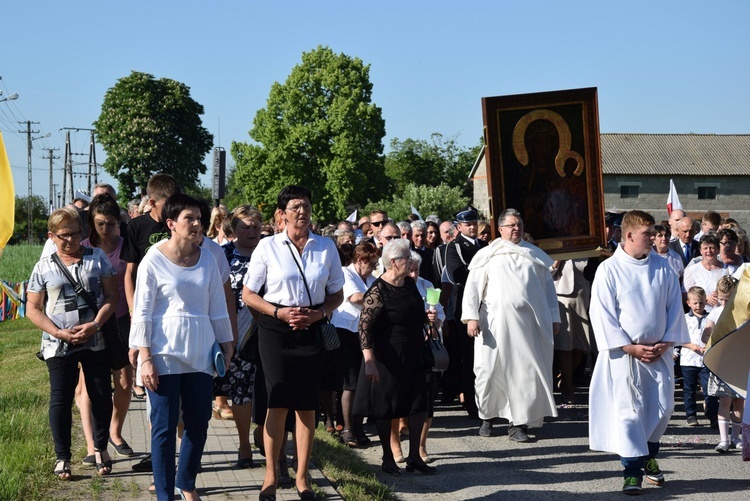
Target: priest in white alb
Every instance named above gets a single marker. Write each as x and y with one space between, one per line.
637 316
510 307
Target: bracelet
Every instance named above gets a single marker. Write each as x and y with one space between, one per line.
147 360
276 313
323 311
96 324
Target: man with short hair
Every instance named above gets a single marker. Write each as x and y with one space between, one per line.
637 316
447 231
405 227
102 188
458 256
710 224
510 306
377 219
674 218
685 246
418 241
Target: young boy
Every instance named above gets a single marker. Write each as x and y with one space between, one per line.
637 316
691 360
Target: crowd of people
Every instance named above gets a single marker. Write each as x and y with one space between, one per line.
199 292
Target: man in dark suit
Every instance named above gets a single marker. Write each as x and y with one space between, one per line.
458 255
685 246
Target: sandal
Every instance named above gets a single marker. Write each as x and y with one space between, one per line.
103 468
139 396
348 438
222 413
62 470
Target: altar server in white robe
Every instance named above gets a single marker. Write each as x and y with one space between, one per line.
636 314
510 306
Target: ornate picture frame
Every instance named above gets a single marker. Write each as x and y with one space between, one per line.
543 159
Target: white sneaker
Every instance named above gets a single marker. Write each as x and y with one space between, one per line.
722 447
736 443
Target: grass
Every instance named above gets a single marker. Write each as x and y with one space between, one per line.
17 261
26 451
346 471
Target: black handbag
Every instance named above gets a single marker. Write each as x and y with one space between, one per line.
433 357
328 336
115 345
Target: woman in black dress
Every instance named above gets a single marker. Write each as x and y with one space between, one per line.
391 383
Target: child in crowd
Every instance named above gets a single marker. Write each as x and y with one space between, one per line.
691 360
730 403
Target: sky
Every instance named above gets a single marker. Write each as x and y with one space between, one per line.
659 67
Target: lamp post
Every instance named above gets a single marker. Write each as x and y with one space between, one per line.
12 97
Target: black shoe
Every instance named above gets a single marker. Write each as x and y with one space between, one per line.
283 480
390 468
692 421
244 463
486 429
267 497
419 466
307 494
518 434
123 449
144 465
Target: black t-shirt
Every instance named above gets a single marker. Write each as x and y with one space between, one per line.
142 233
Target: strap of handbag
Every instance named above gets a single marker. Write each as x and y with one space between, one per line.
299 267
76 284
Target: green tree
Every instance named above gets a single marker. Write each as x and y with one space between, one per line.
39 211
438 161
148 126
442 200
321 130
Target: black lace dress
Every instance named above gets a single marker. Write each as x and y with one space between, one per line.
391 325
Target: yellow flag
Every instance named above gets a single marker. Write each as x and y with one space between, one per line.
7 198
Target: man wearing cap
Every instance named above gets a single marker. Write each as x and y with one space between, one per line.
458 256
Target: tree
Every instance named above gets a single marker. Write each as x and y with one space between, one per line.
321 130
39 214
432 163
148 126
442 200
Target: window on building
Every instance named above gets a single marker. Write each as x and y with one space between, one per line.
628 191
706 192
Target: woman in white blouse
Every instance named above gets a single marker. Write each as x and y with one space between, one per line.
179 313
292 308
357 279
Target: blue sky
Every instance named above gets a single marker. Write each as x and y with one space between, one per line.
660 67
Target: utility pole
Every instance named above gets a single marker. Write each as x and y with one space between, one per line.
92 162
92 159
51 184
29 139
67 169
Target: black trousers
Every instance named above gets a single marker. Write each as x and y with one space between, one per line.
63 379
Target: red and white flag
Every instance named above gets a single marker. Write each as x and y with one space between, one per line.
673 201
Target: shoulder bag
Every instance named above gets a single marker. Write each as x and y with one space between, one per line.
434 356
116 345
327 334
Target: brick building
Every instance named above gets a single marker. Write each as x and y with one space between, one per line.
710 172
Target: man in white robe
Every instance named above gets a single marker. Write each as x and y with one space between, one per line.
637 316
510 306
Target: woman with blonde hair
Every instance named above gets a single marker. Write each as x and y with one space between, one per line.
216 227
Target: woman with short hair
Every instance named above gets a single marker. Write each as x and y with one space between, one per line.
303 281
179 314
71 334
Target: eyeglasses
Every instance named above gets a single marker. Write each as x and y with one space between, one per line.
68 236
299 208
377 223
514 225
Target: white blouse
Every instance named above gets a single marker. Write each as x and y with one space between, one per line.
346 316
179 312
273 265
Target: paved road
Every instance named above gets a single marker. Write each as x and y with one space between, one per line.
559 464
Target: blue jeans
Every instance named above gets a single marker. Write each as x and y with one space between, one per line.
691 376
633 467
194 390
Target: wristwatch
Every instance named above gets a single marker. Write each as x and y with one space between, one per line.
96 324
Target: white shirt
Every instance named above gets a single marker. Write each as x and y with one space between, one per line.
274 265
674 260
695 324
216 251
346 316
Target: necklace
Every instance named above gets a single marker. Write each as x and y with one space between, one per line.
181 260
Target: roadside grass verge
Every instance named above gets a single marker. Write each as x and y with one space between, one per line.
342 466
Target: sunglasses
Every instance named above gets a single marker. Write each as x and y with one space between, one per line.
377 223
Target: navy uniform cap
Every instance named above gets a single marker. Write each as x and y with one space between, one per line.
468 214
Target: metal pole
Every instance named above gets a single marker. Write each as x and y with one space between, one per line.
30 228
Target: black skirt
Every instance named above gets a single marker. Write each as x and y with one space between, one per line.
292 363
348 359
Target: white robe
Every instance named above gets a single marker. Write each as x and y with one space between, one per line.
633 302
510 292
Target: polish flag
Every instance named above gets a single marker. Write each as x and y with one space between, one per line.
673 201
